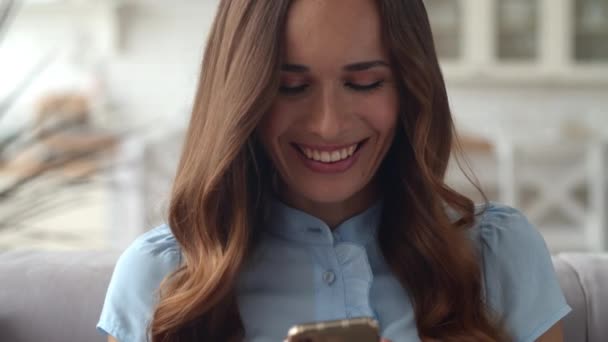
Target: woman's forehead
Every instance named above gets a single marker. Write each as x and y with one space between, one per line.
332 31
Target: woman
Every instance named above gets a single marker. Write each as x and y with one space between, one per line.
311 188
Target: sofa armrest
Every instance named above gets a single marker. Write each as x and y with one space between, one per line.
584 280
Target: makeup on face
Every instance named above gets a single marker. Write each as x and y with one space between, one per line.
334 116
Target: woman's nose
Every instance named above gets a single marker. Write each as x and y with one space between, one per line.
326 117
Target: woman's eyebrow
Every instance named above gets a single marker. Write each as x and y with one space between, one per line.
294 68
359 66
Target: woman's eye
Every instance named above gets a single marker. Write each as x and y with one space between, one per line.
357 87
364 87
293 90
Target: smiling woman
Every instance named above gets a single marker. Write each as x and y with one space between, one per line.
311 188
335 116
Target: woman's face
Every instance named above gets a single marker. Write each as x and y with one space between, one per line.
334 118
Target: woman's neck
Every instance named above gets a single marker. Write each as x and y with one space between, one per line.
332 213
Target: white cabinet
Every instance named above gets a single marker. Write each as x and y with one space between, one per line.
446 21
517 29
531 41
591 31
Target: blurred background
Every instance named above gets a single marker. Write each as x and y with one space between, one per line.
95 96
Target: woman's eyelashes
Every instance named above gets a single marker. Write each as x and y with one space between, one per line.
293 90
365 87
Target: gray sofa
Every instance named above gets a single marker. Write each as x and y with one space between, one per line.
57 297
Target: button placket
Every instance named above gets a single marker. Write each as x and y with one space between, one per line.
329 277
358 276
337 237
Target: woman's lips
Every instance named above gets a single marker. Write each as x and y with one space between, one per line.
329 159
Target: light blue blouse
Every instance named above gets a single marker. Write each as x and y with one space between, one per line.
303 271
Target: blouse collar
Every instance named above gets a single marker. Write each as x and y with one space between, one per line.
298 226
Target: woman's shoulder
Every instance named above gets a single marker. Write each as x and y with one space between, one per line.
519 281
152 254
133 289
157 242
148 259
504 229
510 246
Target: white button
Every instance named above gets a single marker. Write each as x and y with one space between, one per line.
329 277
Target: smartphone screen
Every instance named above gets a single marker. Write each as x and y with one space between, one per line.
362 329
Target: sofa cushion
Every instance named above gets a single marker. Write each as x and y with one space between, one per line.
53 296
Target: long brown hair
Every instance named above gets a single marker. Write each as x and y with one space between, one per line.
223 173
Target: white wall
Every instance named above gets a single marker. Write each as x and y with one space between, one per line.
148 70
155 72
530 109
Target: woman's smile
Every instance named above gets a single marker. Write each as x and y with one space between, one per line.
329 158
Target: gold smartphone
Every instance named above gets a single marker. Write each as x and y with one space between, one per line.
362 329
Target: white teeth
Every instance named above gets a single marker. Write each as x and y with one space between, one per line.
329 156
307 152
325 157
335 156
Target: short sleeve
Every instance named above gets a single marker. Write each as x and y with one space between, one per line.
133 289
519 279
